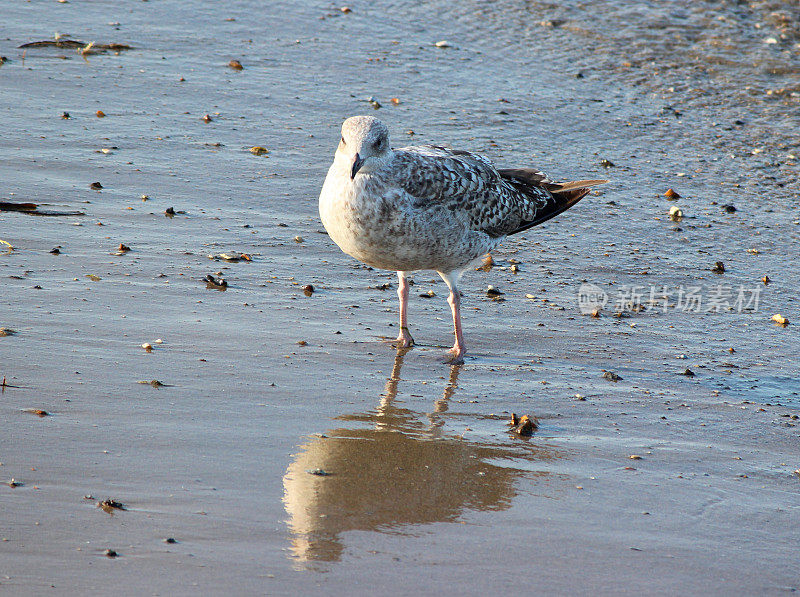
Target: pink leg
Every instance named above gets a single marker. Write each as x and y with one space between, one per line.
404 339
454 300
459 350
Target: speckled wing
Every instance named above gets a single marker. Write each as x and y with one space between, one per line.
470 186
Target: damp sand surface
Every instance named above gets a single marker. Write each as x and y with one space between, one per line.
278 444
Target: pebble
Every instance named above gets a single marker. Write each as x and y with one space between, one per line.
148 347
308 289
671 194
95 186
675 213
235 65
780 320
442 44
719 268
611 376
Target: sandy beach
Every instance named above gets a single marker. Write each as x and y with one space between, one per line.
272 441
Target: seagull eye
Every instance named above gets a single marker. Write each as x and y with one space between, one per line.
343 143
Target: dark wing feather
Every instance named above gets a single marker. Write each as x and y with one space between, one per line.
530 182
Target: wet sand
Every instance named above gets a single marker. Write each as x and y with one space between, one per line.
415 484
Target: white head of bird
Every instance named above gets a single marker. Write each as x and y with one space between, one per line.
364 147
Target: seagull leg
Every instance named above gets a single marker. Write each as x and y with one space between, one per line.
404 339
454 300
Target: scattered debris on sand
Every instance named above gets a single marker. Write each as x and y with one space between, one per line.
523 426
109 505
217 283
32 209
233 257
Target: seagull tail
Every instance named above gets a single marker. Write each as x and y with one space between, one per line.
565 194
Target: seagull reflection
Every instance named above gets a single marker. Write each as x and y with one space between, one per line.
399 469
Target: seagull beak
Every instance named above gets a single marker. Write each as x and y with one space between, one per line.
357 163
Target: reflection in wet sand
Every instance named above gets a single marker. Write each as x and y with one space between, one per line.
401 470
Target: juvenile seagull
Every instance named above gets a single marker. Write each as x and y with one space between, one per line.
429 208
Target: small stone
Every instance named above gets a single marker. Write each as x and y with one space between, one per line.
122 248
302 343
766 280
169 212
635 457
526 426
729 209
719 268
442 44
675 213
308 289
611 376
55 251
607 163
374 103
780 320
110 553
95 186
170 540
100 114
207 118
65 115
148 347
235 65
428 294
688 373
258 150
144 197
487 264
215 283
493 292
671 194
318 472
298 239
346 9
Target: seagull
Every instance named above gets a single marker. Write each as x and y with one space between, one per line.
429 208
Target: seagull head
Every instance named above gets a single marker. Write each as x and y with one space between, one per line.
364 146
